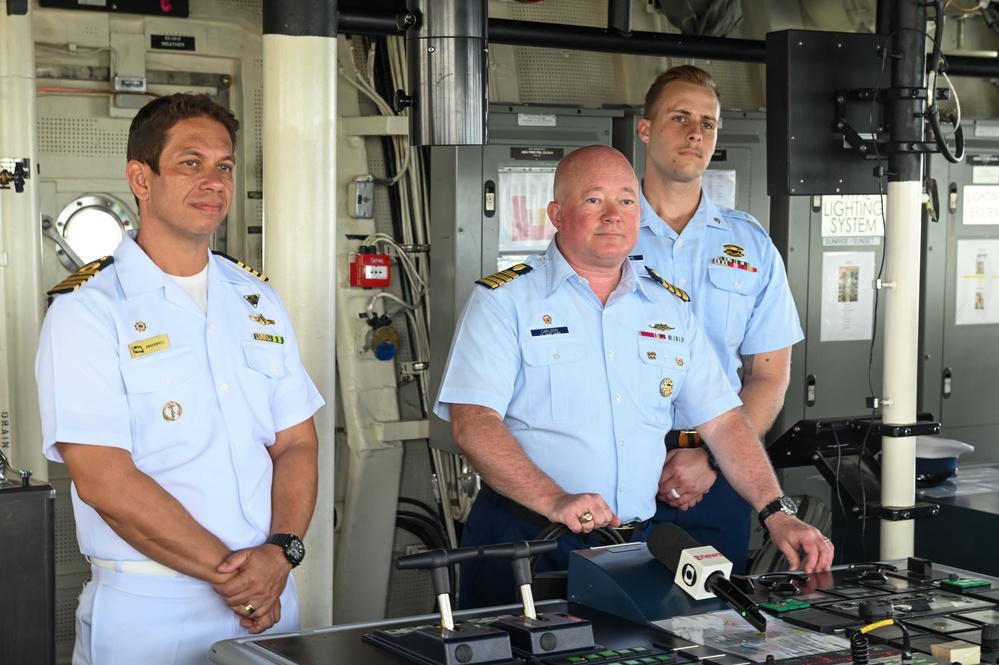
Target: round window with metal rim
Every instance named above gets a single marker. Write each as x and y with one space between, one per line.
91 226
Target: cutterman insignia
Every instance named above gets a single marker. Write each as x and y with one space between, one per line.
734 251
255 273
666 387
253 299
502 277
675 290
661 327
262 320
81 276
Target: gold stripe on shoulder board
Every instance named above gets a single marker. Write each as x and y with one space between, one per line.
502 277
255 273
81 276
675 290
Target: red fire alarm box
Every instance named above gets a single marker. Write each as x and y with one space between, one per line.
370 271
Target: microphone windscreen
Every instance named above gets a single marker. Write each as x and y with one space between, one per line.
667 541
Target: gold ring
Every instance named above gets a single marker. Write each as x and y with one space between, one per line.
250 609
586 517
674 493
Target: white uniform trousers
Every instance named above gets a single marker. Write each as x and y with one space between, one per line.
134 619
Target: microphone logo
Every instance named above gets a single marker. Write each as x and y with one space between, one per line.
689 574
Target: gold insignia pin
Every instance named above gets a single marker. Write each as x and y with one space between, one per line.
546 318
666 387
679 361
734 251
652 355
262 320
662 327
172 411
253 299
140 326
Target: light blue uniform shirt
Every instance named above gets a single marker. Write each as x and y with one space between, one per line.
735 277
587 389
130 361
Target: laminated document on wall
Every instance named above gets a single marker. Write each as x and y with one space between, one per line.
977 272
719 185
524 194
847 296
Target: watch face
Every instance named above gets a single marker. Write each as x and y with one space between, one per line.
788 505
295 550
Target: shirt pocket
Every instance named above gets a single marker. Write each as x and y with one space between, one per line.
164 395
663 371
267 358
554 372
730 301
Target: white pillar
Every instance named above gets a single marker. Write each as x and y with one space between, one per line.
299 158
898 460
20 250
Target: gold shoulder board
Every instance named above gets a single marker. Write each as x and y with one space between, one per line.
81 276
255 273
675 290
502 277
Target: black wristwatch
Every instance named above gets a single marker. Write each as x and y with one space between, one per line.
784 504
712 462
294 549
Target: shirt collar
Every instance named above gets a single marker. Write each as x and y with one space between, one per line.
558 271
707 213
138 274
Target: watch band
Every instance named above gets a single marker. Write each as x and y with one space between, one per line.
782 504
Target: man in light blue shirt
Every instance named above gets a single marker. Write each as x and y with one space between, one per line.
566 371
738 288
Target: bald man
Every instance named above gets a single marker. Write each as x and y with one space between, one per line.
564 374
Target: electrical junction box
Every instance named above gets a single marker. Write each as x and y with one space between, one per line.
370 271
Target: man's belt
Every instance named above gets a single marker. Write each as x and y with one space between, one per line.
683 438
512 507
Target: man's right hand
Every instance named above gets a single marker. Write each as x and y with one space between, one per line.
572 509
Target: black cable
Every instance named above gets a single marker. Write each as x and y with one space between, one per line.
434 527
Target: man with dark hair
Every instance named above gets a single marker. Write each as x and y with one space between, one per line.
171 386
738 289
564 373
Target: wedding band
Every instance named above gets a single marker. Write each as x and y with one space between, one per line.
674 493
827 540
586 518
250 609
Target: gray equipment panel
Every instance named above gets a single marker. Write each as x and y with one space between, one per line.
961 296
466 200
829 379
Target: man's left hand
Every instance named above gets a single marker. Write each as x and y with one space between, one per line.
793 536
686 473
262 573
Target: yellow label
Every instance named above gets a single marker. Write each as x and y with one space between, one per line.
147 346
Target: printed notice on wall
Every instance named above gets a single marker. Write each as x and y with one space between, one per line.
977 285
523 209
852 216
847 296
981 204
719 185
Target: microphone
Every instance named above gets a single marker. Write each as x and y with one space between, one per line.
701 571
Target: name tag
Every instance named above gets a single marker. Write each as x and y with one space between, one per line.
147 346
541 332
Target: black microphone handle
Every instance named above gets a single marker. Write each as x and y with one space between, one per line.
723 588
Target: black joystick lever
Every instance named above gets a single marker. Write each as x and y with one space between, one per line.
520 553
437 562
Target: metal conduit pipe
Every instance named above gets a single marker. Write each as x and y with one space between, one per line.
448 61
581 38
